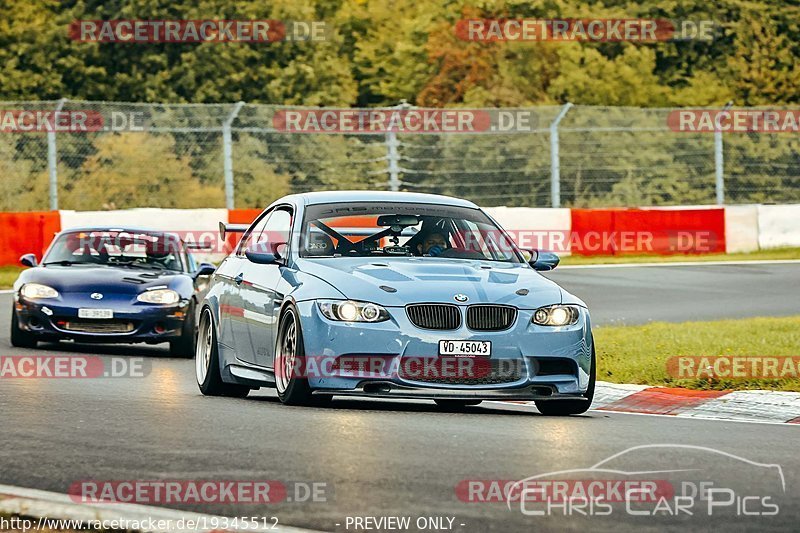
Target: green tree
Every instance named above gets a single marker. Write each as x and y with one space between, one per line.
134 170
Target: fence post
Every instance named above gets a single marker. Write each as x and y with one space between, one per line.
52 160
394 160
719 163
227 154
555 164
392 155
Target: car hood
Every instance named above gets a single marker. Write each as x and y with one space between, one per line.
82 279
434 280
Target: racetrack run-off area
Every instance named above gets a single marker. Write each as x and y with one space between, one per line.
402 457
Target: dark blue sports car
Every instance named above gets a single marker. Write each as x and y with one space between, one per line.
110 286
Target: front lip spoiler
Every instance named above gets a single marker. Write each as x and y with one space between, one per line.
387 389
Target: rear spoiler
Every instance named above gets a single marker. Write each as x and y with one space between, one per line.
224 229
198 246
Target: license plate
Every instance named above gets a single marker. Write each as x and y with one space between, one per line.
465 348
95 313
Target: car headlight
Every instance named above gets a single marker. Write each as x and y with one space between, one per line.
556 315
33 291
160 296
350 311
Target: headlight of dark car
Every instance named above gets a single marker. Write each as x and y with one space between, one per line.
350 311
33 291
160 296
556 315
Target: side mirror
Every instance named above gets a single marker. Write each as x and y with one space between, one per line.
204 269
545 261
28 260
530 256
257 254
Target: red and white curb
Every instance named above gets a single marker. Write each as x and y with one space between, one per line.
39 504
744 406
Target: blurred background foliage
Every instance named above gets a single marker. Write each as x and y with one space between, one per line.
380 52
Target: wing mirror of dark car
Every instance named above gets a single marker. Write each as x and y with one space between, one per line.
28 260
204 269
544 261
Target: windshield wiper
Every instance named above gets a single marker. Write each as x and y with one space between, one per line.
67 262
136 264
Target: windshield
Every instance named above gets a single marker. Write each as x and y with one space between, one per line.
116 248
403 229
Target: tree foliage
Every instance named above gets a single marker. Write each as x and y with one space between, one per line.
379 52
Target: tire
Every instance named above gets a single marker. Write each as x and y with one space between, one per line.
207 363
571 407
456 405
184 346
292 389
20 338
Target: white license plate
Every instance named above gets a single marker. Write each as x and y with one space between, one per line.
95 313
465 348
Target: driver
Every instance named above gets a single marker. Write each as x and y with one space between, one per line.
433 244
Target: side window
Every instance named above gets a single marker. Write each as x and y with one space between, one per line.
191 265
251 235
278 230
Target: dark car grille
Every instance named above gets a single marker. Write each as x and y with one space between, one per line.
490 317
96 326
434 316
483 371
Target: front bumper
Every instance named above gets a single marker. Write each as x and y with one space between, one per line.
133 322
540 362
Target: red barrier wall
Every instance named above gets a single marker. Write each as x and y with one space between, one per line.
239 216
647 231
22 233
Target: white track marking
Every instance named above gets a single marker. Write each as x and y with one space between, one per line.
685 263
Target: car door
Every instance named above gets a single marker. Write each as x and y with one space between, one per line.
233 319
260 297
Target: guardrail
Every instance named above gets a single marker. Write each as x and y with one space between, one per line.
621 231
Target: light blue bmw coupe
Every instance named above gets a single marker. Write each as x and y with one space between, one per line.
391 295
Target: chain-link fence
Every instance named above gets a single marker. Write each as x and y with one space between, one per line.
196 155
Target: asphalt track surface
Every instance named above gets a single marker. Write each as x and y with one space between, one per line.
405 458
636 295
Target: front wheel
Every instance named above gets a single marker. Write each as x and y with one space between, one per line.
184 346
571 407
291 384
207 363
20 338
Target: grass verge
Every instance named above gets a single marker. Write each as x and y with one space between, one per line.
761 255
639 354
8 275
